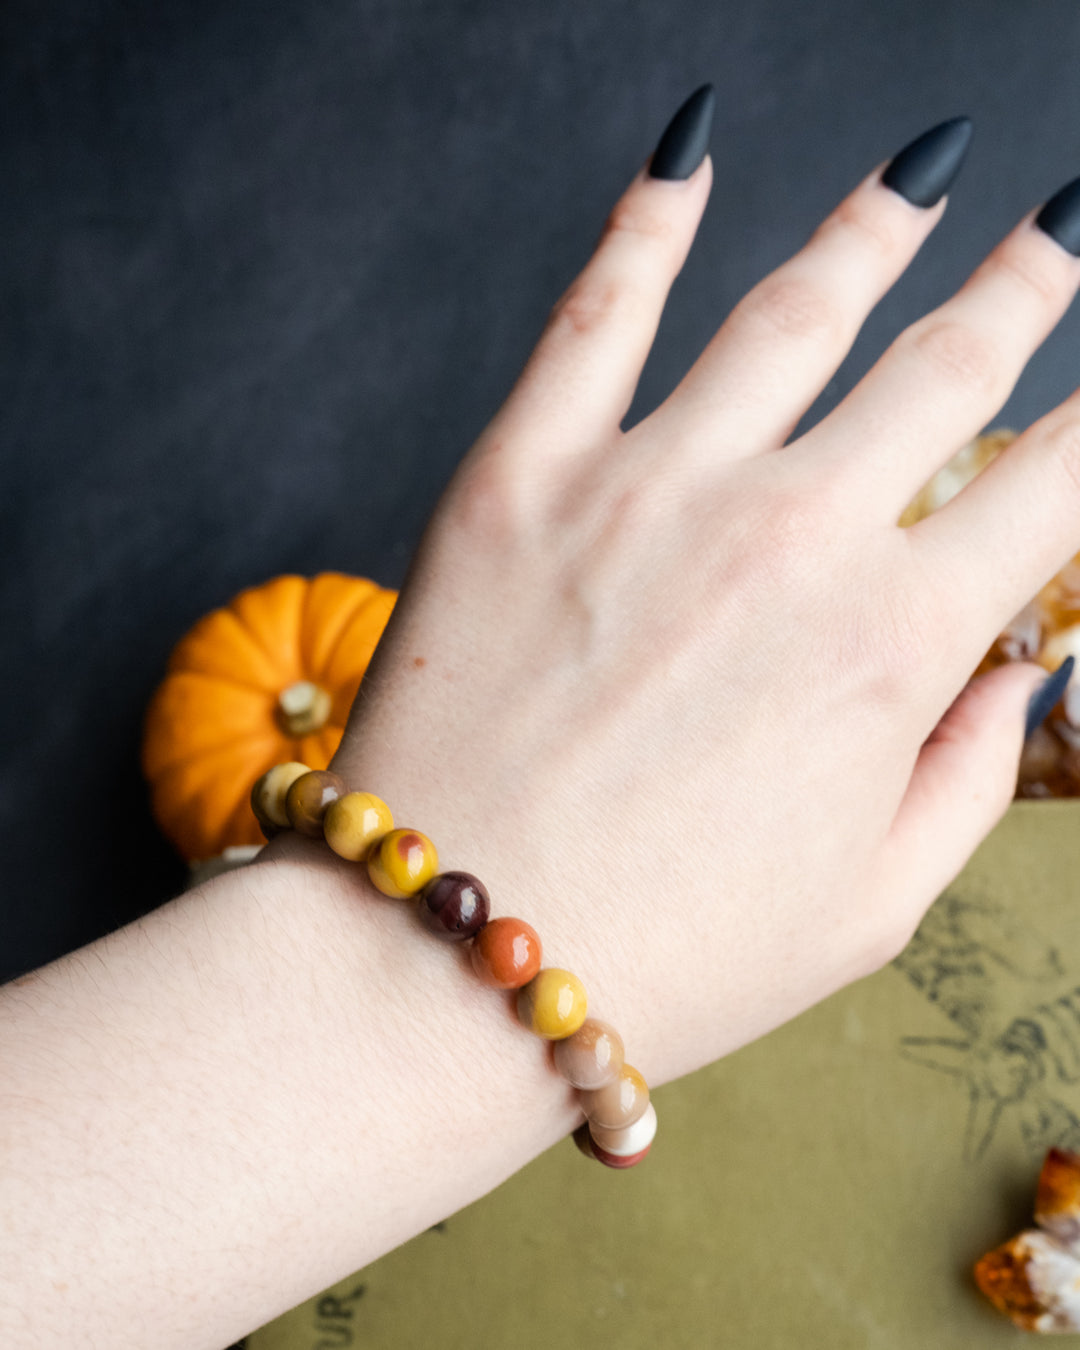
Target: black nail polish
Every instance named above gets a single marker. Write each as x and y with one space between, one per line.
923 171
685 141
1046 696
1060 217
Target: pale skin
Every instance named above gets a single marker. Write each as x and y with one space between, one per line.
684 697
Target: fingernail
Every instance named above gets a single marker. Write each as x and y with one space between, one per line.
1060 217
1045 698
685 141
923 171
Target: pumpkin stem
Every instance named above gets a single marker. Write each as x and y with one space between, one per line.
302 708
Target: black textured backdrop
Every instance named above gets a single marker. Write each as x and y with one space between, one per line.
267 270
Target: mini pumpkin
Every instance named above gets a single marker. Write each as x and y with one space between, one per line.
269 677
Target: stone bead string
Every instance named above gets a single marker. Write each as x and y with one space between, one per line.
620 1122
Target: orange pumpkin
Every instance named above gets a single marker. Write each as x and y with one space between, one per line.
269 677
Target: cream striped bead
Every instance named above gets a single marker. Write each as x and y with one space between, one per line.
630 1139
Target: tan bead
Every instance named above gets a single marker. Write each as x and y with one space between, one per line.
269 793
354 822
592 1056
617 1104
307 799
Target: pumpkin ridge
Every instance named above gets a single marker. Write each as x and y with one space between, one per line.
201 649
223 679
378 599
356 604
183 752
189 673
273 657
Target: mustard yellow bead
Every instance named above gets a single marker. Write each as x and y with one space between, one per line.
269 793
402 863
552 1004
354 822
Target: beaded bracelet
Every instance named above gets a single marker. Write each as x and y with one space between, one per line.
620 1120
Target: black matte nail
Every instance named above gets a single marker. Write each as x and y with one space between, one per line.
1060 217
923 171
1045 698
685 141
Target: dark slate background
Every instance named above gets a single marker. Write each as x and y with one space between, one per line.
268 269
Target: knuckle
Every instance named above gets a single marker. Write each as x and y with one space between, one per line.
1033 273
958 355
587 306
886 650
632 217
795 308
870 227
491 497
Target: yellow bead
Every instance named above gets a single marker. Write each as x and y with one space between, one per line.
354 822
552 1004
402 863
269 793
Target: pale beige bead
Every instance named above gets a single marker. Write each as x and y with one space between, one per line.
630 1139
269 793
592 1056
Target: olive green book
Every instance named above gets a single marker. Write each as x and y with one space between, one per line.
830 1185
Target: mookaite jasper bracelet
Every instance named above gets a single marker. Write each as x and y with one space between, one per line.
620 1120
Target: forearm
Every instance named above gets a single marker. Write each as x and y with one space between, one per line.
222 1108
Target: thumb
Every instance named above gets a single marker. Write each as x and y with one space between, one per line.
964 779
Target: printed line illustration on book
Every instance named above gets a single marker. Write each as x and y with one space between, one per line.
1005 988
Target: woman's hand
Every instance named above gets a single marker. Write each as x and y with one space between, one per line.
685 697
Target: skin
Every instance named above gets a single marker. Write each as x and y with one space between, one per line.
652 714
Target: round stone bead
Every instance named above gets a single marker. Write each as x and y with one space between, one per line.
631 1139
585 1142
592 1056
506 953
309 796
354 822
268 795
402 863
617 1104
552 1004
454 906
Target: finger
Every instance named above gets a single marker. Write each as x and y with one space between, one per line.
962 784
580 379
993 546
945 377
782 343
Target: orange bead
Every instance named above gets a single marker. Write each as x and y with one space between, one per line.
402 863
506 953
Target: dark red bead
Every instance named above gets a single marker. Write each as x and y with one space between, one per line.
454 905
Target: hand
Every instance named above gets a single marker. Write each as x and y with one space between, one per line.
685 697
